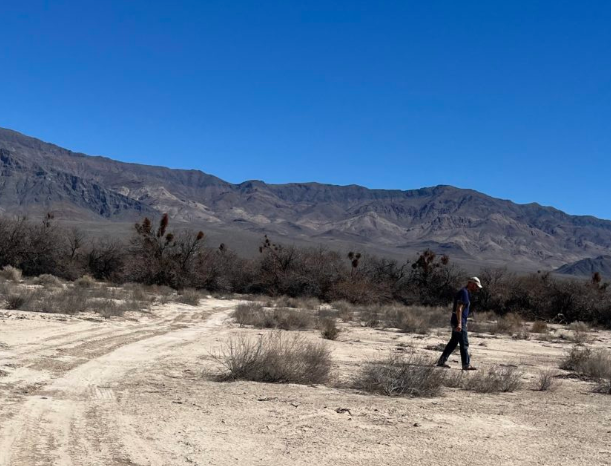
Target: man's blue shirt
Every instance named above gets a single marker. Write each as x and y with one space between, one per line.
462 297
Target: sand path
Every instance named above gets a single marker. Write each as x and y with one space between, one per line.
62 409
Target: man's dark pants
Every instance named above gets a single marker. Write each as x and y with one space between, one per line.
458 338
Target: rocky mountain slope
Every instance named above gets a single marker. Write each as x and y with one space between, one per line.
586 267
36 177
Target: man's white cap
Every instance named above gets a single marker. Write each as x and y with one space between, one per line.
476 281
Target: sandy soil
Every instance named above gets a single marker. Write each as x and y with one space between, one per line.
83 391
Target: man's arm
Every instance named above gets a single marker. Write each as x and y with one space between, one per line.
459 309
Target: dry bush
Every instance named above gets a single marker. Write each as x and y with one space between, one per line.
578 326
292 319
416 319
401 375
328 328
454 379
547 380
11 273
496 379
46 279
298 303
189 296
18 301
539 326
250 313
586 363
275 358
603 385
370 316
283 318
86 281
345 310
508 324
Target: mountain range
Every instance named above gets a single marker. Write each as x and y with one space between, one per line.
472 228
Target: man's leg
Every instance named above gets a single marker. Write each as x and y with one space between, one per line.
451 346
464 349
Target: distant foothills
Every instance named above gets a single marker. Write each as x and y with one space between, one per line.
474 229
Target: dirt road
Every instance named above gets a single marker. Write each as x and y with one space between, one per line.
84 391
59 406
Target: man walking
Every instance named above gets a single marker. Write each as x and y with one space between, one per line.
460 312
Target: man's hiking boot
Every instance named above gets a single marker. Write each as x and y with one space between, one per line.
444 365
469 368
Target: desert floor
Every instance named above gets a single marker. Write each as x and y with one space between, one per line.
80 390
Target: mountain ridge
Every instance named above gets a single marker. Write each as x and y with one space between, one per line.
37 175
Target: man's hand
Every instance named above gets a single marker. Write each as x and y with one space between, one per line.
459 328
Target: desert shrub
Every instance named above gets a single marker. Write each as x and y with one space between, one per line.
292 319
370 316
86 281
546 380
508 324
47 279
401 375
416 319
587 363
539 326
454 379
189 296
250 313
495 379
603 385
578 326
107 308
275 358
18 301
345 310
11 273
328 328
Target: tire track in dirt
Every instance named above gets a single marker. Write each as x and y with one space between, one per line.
75 419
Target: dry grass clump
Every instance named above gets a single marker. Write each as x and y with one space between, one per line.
547 380
248 313
454 379
328 328
595 365
370 316
11 273
275 358
312 304
285 319
416 319
189 296
46 279
18 300
578 326
508 324
345 310
496 379
539 326
86 281
401 375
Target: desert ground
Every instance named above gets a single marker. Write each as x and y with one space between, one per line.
140 390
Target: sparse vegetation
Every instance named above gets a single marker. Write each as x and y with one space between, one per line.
189 296
587 363
494 380
539 326
328 328
47 279
298 278
547 380
401 375
275 358
11 273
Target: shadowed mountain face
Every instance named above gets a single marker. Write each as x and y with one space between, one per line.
36 177
587 267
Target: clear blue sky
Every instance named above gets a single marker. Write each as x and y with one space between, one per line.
512 98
